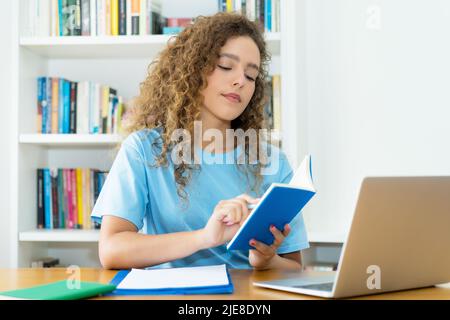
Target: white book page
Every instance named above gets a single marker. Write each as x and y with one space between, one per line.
302 176
175 278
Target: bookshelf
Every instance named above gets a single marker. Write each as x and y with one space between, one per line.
120 62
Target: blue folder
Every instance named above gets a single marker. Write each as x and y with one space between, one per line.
229 288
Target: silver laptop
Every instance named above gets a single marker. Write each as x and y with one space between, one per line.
399 239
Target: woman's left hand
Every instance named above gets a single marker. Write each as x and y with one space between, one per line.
262 255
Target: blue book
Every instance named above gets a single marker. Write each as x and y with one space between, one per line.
173 281
268 15
278 206
61 106
66 120
40 97
48 95
48 214
172 30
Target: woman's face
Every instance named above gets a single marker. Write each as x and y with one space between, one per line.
232 83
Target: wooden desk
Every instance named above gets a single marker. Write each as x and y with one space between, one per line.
11 279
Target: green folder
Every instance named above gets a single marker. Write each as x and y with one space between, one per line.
59 291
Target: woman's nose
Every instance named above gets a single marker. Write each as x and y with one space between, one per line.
239 79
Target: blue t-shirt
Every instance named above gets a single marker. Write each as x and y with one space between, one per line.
146 195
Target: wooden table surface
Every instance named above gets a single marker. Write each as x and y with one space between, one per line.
11 279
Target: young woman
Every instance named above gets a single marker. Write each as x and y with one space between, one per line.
155 208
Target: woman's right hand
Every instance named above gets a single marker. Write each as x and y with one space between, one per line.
226 219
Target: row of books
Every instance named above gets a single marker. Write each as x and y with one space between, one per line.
128 17
93 17
67 196
272 108
65 106
265 12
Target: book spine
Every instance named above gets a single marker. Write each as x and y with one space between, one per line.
40 81
55 18
115 17
61 106
142 17
229 5
250 10
86 17
105 106
77 22
66 106
261 16
111 102
54 191
87 216
81 126
135 11
48 200
93 17
68 198
61 200
61 4
268 16
238 6
122 17
66 17
80 193
55 104
45 108
48 97
101 23
275 15
128 17
40 199
75 208
108 17
73 107
276 85
44 20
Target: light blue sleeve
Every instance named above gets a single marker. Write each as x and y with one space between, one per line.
297 239
125 191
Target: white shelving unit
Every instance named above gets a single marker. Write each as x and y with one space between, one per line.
67 140
120 62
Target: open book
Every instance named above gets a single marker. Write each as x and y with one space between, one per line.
279 205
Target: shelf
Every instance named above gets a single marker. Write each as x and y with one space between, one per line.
76 47
62 235
67 140
324 237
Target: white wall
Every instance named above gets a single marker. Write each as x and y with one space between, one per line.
378 97
5 130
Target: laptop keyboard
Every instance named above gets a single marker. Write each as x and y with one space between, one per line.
328 286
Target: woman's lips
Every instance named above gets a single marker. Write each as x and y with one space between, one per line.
232 98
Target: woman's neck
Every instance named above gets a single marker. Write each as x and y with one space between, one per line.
208 121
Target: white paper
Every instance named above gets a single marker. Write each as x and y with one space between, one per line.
302 176
175 278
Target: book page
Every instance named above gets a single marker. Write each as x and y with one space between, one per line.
302 176
175 278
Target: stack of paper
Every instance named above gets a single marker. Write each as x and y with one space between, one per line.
194 280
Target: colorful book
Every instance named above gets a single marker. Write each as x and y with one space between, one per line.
80 196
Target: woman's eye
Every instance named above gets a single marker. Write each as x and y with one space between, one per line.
227 68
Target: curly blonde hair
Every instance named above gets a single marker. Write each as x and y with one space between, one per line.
169 97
